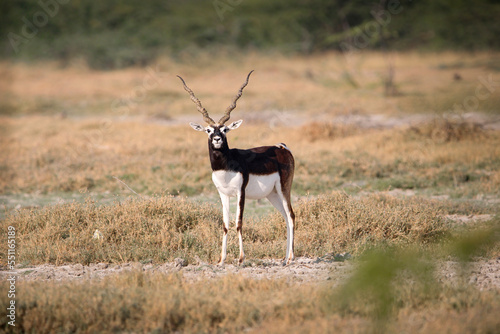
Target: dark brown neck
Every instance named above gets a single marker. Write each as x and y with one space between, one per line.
219 157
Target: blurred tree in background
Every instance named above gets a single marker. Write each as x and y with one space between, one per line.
120 33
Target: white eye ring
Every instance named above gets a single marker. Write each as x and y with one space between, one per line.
224 129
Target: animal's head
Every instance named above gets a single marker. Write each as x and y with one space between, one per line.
216 131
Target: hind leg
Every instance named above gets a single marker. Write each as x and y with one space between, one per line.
279 202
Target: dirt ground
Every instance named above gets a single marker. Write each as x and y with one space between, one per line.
485 274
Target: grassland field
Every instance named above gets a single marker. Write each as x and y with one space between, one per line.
396 193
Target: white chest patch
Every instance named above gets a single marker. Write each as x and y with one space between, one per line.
259 186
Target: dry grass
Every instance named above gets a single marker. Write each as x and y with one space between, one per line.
315 131
150 303
47 155
387 159
158 229
156 303
163 228
55 153
318 84
345 223
443 130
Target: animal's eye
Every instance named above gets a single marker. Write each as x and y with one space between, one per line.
224 129
210 131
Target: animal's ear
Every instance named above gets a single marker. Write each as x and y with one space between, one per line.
235 125
197 127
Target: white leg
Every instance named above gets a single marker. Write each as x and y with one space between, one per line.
279 202
225 215
290 234
240 206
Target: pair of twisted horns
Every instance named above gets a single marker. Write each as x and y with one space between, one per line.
204 111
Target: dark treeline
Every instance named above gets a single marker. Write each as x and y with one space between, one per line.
119 33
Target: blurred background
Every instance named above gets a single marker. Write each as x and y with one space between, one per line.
116 34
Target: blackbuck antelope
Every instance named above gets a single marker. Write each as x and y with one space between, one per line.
255 173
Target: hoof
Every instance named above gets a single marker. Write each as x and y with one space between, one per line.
241 259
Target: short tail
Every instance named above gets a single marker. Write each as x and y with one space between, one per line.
283 146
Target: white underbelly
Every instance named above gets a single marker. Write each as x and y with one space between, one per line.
259 186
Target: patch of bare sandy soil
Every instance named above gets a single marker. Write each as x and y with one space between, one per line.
301 270
485 274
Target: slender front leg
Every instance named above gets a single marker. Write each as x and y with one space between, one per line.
239 223
225 216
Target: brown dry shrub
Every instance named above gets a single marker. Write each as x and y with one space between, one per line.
443 130
326 131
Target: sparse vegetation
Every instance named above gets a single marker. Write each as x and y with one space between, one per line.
163 228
